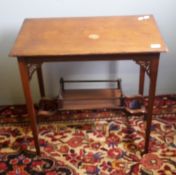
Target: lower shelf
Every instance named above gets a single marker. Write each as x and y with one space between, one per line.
90 99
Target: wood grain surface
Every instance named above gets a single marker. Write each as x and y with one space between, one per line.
88 35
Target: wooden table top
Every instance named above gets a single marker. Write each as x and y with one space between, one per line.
88 35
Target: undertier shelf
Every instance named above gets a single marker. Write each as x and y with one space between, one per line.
89 99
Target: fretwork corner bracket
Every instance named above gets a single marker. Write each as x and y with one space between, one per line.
146 65
32 68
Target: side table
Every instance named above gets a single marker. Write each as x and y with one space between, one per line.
114 38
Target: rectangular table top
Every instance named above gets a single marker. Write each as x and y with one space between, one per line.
88 35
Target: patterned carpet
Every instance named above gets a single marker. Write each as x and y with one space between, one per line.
104 142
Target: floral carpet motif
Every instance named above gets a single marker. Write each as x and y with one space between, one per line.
26 162
111 146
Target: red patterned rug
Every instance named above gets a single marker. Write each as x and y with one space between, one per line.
89 142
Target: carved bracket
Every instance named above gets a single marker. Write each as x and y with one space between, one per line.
146 66
32 68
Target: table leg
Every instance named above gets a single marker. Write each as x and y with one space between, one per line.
141 80
28 97
40 80
152 89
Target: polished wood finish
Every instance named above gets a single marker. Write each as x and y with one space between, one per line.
88 35
90 99
79 99
91 94
152 89
90 39
29 102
